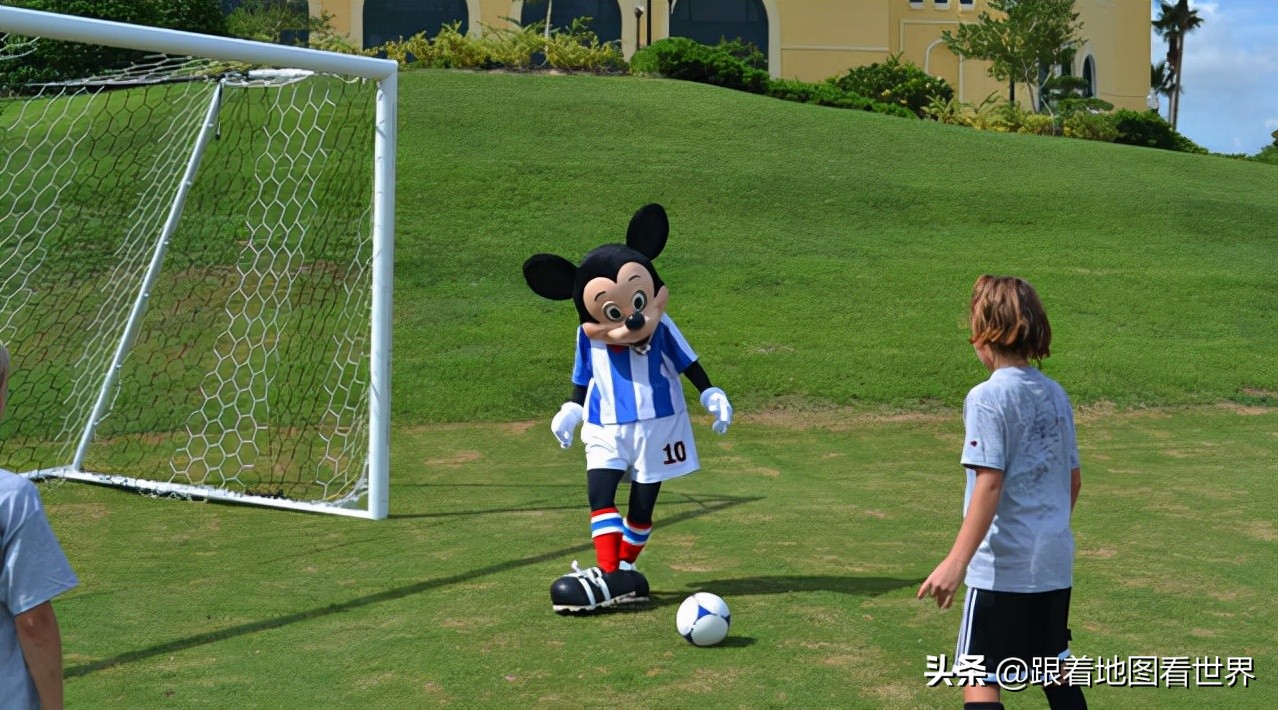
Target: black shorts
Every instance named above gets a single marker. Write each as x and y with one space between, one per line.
1002 625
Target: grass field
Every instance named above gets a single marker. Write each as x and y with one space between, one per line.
820 263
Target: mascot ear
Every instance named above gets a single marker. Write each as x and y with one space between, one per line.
648 230
550 276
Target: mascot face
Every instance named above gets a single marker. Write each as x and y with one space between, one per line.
619 296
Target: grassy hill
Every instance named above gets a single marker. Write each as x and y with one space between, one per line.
818 257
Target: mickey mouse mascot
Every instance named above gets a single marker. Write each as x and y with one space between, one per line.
628 399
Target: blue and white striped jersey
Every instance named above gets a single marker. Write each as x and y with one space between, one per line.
624 386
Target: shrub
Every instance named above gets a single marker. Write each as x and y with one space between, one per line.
1268 154
961 113
1090 126
897 82
683 58
278 21
827 94
1148 129
450 49
1037 124
578 48
54 60
203 16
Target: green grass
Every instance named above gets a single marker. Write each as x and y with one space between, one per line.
816 528
820 262
817 256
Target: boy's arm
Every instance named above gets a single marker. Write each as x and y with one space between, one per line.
41 643
945 579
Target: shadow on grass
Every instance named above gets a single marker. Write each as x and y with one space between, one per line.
851 585
667 501
751 586
704 505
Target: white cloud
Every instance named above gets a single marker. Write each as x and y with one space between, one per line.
1231 67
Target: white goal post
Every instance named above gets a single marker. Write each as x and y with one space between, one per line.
196 257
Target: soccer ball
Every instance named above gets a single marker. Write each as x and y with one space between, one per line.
703 619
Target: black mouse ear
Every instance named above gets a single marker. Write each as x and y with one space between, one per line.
648 230
550 276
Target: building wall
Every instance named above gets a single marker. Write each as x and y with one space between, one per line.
812 40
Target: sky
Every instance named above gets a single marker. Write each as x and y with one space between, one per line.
1229 103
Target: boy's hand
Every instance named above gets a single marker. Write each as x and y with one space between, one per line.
943 583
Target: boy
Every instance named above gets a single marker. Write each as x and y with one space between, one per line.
1015 545
33 570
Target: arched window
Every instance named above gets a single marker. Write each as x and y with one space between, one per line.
709 21
605 15
1089 74
387 20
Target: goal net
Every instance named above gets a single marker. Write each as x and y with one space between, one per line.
195 263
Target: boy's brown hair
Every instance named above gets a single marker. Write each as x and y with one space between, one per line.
1007 315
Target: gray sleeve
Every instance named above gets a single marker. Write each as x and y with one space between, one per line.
983 444
35 569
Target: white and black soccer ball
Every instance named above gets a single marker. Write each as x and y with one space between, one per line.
703 619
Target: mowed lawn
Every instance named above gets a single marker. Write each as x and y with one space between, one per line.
820 262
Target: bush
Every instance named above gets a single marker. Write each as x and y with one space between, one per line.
682 58
57 61
203 16
1148 129
961 113
574 48
578 48
1090 126
896 82
1268 154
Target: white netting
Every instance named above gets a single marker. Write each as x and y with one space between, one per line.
249 370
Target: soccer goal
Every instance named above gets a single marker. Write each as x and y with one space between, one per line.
195 264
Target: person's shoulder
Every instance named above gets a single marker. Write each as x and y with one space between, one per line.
18 498
11 483
983 390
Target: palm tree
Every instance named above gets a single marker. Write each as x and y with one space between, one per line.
1173 23
1161 81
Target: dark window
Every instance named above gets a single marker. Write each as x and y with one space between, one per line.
709 21
387 20
1089 74
605 15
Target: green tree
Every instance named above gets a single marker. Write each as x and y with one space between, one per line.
1027 42
55 60
203 16
1161 81
270 20
1173 23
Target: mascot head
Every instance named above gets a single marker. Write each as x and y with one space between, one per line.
619 296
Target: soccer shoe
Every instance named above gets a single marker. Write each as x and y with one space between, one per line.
591 589
628 576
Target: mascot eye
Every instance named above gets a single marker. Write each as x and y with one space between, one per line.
640 300
613 312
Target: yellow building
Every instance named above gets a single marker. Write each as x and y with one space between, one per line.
809 40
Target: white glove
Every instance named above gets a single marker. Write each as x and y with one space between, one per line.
565 423
716 402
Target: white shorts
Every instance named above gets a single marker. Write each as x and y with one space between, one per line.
648 451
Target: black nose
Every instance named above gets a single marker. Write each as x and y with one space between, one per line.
635 321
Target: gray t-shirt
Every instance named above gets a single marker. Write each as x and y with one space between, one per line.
1020 422
33 571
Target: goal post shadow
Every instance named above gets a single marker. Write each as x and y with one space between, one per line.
706 505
